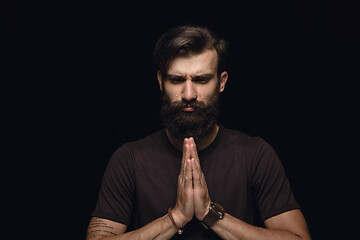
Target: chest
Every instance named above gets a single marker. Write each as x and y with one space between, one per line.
227 180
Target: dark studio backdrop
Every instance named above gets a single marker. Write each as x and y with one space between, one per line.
78 82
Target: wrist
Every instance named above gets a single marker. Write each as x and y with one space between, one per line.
179 218
215 213
206 212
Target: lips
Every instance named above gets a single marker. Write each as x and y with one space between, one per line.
188 109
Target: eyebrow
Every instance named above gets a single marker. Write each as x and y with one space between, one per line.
173 77
205 76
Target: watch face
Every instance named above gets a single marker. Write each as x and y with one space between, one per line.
219 208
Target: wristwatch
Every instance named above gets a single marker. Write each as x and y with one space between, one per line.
216 212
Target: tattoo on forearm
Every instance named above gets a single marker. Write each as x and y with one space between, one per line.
156 236
94 231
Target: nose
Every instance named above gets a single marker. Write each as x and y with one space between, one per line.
189 92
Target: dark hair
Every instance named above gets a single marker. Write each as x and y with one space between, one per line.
186 40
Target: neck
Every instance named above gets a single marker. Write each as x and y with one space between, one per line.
204 143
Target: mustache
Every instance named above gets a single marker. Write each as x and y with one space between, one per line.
183 103
178 105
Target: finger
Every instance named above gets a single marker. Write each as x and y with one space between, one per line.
196 166
194 152
188 179
186 166
197 173
183 160
197 178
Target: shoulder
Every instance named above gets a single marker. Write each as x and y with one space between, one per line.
128 151
150 141
255 151
237 139
250 148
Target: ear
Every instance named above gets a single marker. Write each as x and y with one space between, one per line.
223 79
159 78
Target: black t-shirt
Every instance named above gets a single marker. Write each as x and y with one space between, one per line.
243 174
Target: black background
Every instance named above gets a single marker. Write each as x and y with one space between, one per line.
78 81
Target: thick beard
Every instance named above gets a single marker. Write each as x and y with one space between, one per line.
197 124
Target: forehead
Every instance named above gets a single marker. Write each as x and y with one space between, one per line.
204 62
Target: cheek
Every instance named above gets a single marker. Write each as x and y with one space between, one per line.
206 94
205 99
172 94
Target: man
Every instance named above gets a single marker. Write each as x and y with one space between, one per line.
195 179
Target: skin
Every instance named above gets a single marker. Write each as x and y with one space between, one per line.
195 78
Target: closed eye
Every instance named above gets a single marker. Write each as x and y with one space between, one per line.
205 78
202 78
175 79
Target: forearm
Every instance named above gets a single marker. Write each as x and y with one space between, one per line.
159 229
232 228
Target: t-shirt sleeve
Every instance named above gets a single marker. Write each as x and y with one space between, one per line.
270 185
116 196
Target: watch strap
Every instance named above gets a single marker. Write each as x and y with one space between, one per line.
216 212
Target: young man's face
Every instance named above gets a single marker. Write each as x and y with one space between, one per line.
191 89
193 78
